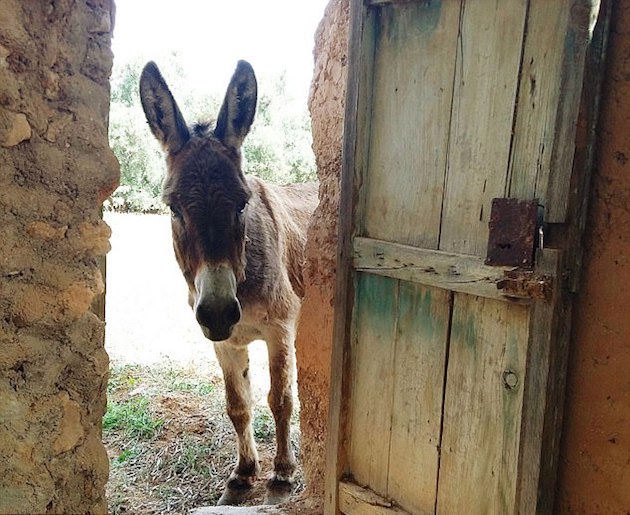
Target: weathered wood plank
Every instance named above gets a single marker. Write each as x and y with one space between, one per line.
419 368
578 36
538 96
414 64
483 468
542 355
360 158
486 78
482 407
548 105
586 141
550 331
354 500
455 272
360 52
372 356
551 322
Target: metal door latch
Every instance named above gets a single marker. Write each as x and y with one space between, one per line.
525 284
515 231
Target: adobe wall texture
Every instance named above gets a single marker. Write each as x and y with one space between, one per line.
595 454
55 169
314 339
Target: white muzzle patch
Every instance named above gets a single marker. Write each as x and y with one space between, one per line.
215 305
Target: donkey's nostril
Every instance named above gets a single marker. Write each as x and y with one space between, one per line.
218 321
204 316
232 313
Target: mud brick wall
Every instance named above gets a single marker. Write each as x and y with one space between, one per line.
55 170
314 340
595 453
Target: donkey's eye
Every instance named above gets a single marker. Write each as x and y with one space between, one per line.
241 208
175 212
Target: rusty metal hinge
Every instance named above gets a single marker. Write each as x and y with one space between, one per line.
515 231
526 284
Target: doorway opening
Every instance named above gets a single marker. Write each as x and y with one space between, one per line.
170 443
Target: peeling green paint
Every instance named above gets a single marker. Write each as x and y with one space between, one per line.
464 330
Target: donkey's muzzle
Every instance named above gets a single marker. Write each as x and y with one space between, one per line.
218 322
216 307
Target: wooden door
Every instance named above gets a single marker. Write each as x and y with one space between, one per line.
447 390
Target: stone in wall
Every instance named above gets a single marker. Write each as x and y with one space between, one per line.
314 340
14 128
55 169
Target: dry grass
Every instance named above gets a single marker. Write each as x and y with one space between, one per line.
170 442
174 446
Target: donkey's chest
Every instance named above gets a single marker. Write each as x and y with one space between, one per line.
252 325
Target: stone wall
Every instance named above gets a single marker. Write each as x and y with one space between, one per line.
55 170
314 340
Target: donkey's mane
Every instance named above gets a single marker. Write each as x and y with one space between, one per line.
202 128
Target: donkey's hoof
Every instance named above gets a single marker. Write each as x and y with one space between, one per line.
278 491
236 491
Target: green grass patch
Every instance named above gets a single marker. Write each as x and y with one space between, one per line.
178 380
126 455
194 458
170 440
133 417
263 425
123 377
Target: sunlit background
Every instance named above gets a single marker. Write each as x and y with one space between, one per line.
209 36
166 431
196 43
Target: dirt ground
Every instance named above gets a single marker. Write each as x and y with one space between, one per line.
170 442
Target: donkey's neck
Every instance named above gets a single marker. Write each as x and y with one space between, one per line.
277 226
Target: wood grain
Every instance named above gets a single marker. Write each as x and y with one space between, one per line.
454 272
506 361
486 79
409 127
418 382
538 97
354 500
577 39
541 364
336 449
483 403
372 356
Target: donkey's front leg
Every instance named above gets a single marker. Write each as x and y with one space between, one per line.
234 362
281 367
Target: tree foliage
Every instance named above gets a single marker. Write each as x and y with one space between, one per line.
277 149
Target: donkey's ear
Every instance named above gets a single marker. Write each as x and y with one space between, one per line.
239 106
164 117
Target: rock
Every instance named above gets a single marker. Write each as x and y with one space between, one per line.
14 128
70 428
56 165
4 53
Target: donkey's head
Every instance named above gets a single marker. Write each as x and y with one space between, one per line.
207 193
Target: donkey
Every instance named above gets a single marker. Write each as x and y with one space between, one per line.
239 242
